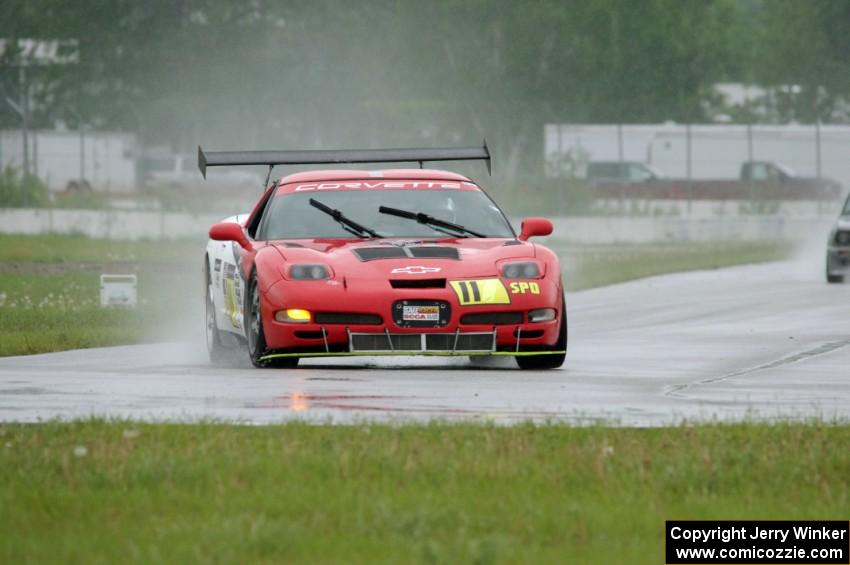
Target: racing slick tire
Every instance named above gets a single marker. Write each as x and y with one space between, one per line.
551 361
215 348
254 331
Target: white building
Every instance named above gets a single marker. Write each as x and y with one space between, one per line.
105 160
701 151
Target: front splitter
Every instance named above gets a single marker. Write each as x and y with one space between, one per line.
412 354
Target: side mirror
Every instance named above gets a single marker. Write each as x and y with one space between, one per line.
229 231
533 227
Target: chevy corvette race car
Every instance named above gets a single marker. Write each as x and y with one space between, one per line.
391 262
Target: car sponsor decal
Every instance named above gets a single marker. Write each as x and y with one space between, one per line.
232 294
480 291
382 184
525 287
421 313
415 270
216 278
237 256
230 302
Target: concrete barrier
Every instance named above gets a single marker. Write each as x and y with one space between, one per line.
133 225
110 224
657 230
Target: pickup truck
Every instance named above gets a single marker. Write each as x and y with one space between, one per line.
757 179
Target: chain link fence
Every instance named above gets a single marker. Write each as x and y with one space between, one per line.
705 169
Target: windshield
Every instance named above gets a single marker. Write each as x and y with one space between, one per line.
847 207
292 217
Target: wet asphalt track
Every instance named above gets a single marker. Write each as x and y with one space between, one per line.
758 341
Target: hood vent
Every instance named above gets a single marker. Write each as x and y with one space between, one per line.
418 283
434 252
398 252
370 253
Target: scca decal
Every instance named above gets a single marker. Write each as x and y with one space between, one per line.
524 287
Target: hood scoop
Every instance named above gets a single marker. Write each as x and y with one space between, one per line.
372 253
434 252
418 252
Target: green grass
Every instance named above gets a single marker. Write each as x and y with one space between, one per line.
77 248
590 266
49 285
371 493
50 292
42 312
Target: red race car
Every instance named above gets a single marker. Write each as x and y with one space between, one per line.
386 262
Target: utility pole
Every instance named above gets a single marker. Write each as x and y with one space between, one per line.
81 130
19 110
34 52
23 105
689 166
817 149
750 159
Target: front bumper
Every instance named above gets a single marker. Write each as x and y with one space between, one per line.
387 337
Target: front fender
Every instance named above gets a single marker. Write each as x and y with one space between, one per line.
553 264
268 263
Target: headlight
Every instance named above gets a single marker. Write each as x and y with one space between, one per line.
308 272
541 315
842 237
521 271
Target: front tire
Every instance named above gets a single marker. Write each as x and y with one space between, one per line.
548 361
257 348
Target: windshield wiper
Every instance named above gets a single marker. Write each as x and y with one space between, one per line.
347 223
434 223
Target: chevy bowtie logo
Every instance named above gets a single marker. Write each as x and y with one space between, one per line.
414 270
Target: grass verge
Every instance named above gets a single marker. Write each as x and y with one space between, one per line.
72 249
54 311
105 492
590 266
50 289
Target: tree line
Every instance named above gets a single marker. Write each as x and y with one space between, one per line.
332 73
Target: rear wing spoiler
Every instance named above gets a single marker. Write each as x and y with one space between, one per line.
336 156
